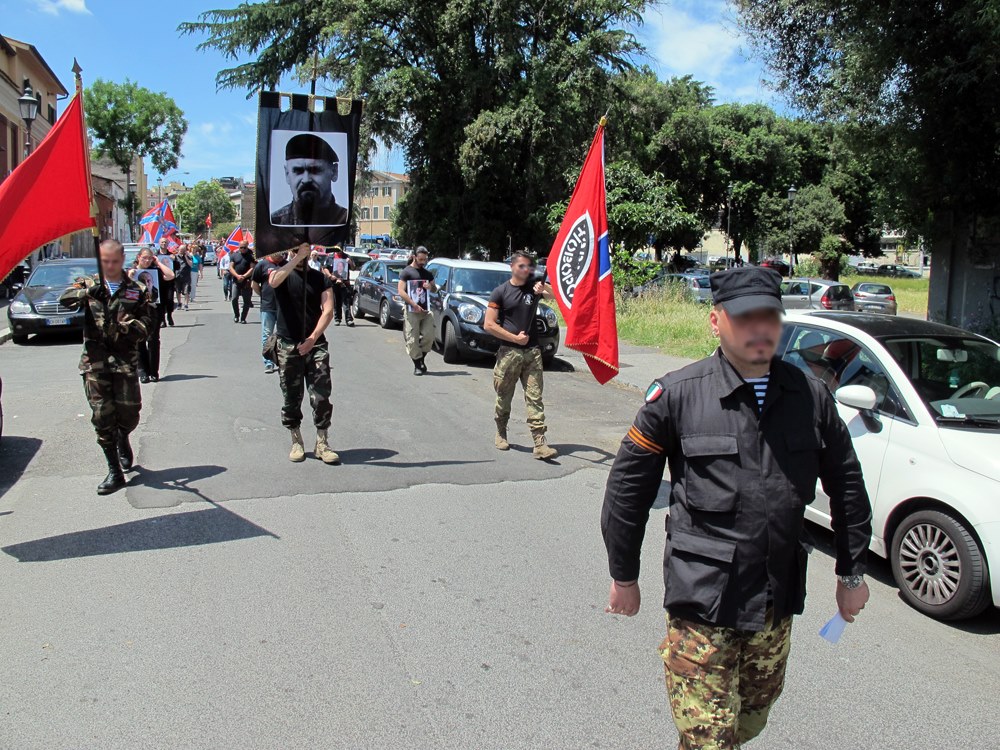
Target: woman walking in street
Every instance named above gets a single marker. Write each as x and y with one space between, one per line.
197 270
154 275
183 259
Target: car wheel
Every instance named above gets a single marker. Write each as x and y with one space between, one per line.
18 339
384 319
939 567
356 310
449 349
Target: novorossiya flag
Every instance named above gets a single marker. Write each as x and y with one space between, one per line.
579 268
48 195
157 223
234 240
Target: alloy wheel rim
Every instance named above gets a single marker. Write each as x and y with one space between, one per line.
930 565
384 314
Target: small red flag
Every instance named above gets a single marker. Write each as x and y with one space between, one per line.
49 193
579 268
208 221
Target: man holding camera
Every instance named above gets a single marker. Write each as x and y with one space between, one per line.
510 318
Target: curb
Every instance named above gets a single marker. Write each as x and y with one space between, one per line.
5 335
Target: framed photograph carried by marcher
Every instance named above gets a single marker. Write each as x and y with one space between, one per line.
416 291
307 149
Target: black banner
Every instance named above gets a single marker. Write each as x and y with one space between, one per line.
306 165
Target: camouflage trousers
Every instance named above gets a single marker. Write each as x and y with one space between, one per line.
297 372
418 333
722 682
525 366
115 402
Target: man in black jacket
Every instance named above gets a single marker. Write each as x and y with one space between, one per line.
746 436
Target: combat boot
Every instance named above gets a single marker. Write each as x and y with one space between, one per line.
115 479
500 441
323 451
417 369
542 451
125 455
423 364
298 452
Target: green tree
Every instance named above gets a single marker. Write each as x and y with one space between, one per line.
128 121
493 102
920 82
815 213
206 197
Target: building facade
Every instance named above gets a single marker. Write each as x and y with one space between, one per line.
376 207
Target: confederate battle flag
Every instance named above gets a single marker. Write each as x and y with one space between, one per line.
579 269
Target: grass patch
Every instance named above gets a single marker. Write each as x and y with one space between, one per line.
669 319
911 294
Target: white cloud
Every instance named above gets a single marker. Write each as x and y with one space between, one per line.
700 38
53 7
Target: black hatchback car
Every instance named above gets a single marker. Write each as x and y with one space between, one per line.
376 293
459 309
36 308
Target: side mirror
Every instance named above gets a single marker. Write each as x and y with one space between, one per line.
859 397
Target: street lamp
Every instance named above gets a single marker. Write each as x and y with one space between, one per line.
28 105
791 252
131 210
729 218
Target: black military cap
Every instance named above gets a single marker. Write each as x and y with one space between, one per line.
309 146
747 288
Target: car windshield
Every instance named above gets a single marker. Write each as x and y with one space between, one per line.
874 289
478 280
61 276
957 377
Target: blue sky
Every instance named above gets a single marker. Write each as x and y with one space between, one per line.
137 38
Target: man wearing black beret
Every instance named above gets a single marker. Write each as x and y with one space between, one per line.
746 436
311 168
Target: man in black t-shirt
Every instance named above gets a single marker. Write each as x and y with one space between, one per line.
510 317
304 300
268 307
414 286
240 269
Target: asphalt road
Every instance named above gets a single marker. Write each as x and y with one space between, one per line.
429 593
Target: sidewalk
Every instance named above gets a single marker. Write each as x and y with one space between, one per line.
640 365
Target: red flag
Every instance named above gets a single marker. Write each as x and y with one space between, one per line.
208 221
49 193
580 269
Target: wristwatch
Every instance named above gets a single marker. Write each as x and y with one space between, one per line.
851 582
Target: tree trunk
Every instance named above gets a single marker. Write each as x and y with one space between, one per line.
829 268
965 273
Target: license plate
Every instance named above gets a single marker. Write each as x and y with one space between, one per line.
872 307
57 321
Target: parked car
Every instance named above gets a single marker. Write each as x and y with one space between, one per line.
872 297
867 268
922 403
816 294
210 258
896 272
696 284
777 264
132 250
459 309
375 292
36 308
11 285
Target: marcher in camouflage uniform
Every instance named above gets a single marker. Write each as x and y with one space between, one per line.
118 316
304 298
510 317
746 436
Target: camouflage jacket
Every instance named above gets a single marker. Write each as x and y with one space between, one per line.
114 325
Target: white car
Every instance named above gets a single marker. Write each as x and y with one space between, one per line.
922 403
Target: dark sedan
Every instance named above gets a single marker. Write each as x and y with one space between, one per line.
36 307
375 292
459 308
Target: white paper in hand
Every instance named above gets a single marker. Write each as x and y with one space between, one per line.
834 629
